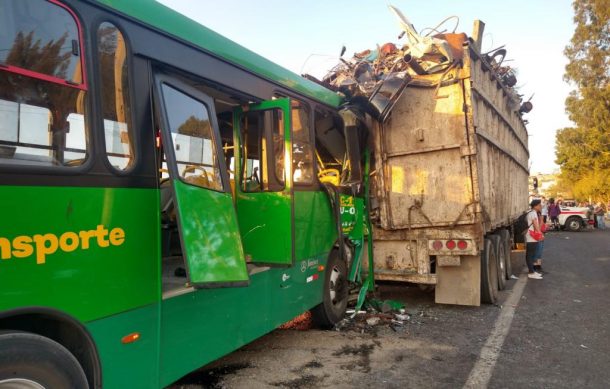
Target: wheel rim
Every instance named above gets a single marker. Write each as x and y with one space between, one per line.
20 383
337 284
574 225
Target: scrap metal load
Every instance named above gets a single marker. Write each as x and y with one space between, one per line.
449 159
381 74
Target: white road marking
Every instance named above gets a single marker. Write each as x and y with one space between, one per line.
481 372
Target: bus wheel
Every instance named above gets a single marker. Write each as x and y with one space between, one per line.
489 274
334 303
32 361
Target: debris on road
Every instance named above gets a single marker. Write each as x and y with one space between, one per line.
384 306
380 314
302 322
373 321
402 317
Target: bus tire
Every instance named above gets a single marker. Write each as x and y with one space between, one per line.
489 273
32 361
335 295
498 247
505 237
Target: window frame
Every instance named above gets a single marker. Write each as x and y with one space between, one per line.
331 111
137 142
56 80
89 106
170 155
315 183
269 155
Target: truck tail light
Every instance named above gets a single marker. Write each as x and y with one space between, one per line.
450 244
462 245
437 245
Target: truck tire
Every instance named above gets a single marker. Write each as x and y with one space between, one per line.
505 237
335 295
573 223
489 274
498 247
32 361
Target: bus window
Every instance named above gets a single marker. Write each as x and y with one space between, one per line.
40 37
192 139
302 148
42 98
330 147
112 54
263 168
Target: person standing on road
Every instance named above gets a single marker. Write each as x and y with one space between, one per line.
592 214
599 213
540 246
554 211
531 244
545 209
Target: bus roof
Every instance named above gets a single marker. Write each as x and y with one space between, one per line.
163 18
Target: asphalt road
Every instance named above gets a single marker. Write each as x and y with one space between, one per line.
556 334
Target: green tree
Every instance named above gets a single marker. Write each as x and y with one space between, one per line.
583 151
199 128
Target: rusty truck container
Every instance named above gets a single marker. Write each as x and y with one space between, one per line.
450 177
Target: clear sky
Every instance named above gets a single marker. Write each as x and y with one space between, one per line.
535 33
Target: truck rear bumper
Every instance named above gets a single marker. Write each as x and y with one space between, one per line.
404 276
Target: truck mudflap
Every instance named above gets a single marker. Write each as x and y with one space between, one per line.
461 284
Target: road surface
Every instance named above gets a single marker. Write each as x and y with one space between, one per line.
553 333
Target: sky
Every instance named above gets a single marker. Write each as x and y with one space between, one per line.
306 37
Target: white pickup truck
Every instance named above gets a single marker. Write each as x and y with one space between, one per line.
573 218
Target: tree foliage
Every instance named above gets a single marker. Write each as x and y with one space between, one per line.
583 151
196 127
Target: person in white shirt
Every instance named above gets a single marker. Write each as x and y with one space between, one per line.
545 209
531 244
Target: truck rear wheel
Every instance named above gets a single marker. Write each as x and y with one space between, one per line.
334 302
505 237
489 273
498 247
32 361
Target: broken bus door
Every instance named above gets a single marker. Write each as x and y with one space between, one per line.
263 190
206 218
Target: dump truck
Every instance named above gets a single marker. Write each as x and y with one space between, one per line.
449 178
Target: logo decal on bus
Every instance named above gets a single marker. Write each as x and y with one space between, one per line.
41 245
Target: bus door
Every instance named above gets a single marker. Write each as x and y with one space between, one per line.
263 200
206 218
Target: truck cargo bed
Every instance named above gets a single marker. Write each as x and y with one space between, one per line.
450 165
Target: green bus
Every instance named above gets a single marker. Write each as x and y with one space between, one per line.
167 195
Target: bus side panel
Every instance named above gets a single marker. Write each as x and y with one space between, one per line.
128 365
314 226
88 252
204 325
